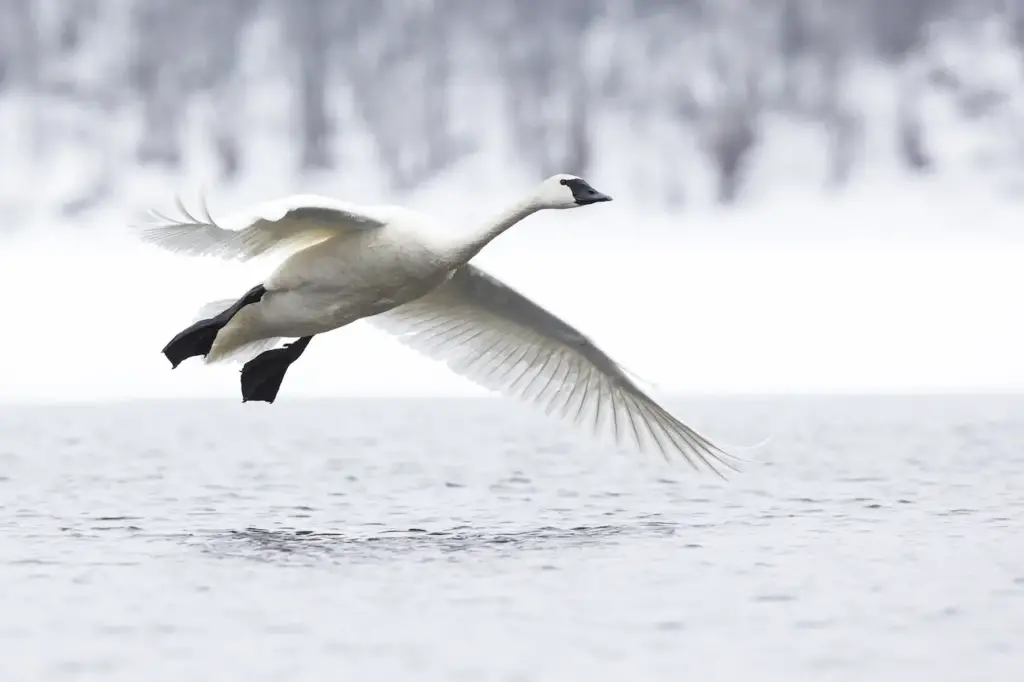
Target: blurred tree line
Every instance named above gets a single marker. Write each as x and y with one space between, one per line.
718 67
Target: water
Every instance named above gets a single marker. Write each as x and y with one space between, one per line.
873 538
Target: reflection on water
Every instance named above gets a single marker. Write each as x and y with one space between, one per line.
417 543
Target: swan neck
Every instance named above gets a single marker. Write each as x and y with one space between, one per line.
472 245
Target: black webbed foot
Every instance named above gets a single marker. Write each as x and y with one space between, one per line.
197 340
262 376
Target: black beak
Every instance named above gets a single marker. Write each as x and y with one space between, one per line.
583 193
591 196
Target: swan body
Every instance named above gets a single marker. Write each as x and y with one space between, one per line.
343 263
338 281
401 272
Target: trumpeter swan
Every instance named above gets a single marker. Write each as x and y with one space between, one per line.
391 266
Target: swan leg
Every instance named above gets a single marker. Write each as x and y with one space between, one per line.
262 376
198 338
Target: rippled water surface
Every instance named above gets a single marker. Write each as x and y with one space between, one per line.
871 539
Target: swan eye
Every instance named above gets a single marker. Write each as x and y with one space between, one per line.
563 181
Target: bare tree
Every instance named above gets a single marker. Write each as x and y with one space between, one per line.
730 119
1014 13
308 26
217 40
160 26
715 70
731 126
796 41
547 84
900 40
832 29
402 89
19 43
21 61
898 27
912 146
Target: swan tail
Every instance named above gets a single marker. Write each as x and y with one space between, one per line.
231 347
200 337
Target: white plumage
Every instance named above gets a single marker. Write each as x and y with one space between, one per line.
393 267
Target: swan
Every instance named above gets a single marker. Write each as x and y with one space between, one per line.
395 268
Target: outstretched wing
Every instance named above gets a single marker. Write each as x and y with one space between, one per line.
291 223
498 338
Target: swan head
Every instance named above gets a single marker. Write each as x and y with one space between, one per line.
567 191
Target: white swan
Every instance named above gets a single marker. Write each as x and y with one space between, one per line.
391 266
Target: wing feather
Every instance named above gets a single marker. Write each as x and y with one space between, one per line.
498 338
291 223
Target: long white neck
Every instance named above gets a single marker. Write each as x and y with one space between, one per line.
470 245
